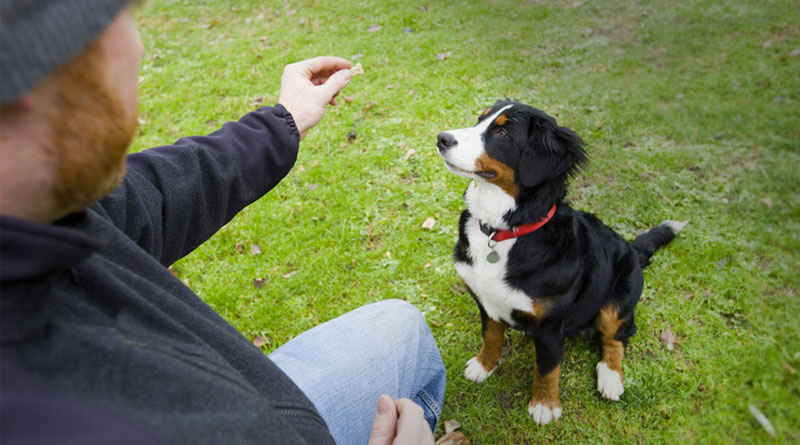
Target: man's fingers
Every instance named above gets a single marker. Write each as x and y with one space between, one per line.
384 427
336 82
324 63
412 428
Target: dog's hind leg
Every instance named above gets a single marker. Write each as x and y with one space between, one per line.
615 325
480 367
609 369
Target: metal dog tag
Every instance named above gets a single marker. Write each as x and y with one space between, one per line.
493 257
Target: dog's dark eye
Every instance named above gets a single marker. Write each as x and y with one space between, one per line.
501 133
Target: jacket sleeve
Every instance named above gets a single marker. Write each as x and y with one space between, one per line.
173 198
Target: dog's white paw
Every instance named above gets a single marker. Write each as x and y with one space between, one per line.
542 414
475 371
609 382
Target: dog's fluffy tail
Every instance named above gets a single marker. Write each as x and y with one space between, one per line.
647 243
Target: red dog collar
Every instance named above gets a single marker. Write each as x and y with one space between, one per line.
502 235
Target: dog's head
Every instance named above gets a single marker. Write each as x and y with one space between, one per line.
514 147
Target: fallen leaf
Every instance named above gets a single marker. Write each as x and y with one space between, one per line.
259 282
356 57
767 44
262 39
389 254
451 425
762 419
442 56
187 283
259 341
289 274
348 99
767 202
239 247
410 152
255 250
668 338
788 367
454 438
427 265
408 30
374 28
209 25
312 187
368 230
429 223
301 168
257 102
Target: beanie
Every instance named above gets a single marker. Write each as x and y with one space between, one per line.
39 36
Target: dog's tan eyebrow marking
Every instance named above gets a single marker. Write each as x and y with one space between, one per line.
501 120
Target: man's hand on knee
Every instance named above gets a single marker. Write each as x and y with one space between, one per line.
399 422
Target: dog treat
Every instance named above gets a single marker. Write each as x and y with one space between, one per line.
356 70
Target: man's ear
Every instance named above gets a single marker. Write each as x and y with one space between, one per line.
551 153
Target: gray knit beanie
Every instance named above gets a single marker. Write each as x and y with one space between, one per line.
39 36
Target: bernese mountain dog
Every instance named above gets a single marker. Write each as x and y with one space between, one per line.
532 262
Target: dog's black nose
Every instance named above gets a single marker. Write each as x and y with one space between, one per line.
445 141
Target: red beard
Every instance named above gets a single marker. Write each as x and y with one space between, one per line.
91 132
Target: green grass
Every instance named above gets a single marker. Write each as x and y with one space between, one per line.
691 111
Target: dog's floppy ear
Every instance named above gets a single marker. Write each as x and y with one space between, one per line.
552 152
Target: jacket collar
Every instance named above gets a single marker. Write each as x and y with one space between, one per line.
31 254
30 250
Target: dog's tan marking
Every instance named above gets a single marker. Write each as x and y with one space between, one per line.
539 307
607 323
492 344
545 388
505 179
501 120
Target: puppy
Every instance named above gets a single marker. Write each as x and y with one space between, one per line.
533 263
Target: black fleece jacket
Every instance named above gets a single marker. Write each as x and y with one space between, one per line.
102 344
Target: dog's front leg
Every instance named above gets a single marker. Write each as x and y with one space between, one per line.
480 367
545 404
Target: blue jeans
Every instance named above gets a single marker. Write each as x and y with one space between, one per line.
345 364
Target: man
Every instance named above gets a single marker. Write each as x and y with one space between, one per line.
100 343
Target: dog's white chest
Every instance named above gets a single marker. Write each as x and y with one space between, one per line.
487 280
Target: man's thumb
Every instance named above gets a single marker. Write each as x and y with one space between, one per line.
336 82
384 428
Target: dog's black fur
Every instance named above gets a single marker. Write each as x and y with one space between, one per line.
574 266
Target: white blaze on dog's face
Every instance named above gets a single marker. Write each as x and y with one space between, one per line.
465 153
463 147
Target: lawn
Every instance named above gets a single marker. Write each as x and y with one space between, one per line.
691 111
